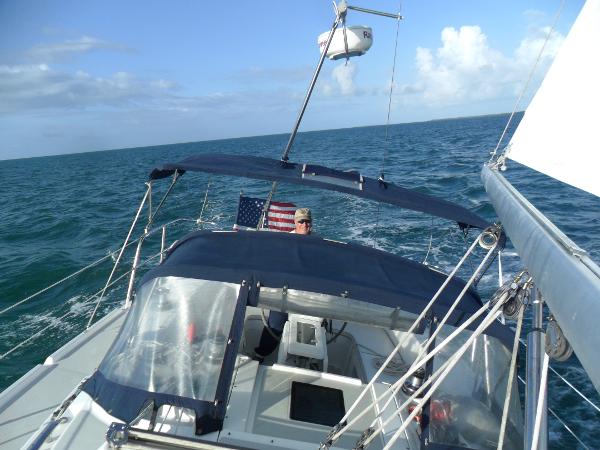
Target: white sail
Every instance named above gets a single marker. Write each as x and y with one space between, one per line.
560 132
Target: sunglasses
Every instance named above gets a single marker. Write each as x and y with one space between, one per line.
304 221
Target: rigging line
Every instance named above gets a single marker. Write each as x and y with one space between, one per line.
53 324
137 215
509 382
577 391
430 339
423 353
95 263
551 411
398 383
176 177
204 203
526 86
430 242
387 124
541 402
110 254
488 320
402 341
566 427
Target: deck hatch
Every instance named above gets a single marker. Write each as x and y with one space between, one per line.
316 404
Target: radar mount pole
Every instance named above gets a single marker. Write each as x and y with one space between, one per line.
340 10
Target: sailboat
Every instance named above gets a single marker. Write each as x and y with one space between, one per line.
377 351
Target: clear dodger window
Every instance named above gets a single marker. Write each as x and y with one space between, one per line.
466 409
174 338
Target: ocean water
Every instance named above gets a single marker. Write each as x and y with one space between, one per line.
61 213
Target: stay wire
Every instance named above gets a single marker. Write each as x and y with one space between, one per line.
565 426
70 312
525 88
387 126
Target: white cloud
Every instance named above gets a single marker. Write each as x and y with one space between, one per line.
344 76
25 87
530 47
467 69
62 51
342 80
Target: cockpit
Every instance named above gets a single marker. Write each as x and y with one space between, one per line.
186 353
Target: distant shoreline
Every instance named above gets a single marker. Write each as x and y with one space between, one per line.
260 136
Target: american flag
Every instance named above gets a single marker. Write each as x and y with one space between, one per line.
280 216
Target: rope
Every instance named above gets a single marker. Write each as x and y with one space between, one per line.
575 389
387 125
526 85
424 346
509 383
413 369
541 402
165 417
405 337
551 411
491 317
431 338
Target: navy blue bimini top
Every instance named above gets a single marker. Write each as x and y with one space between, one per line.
324 178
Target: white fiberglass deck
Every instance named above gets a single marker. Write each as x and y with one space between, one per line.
25 405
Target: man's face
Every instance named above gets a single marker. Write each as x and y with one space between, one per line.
303 226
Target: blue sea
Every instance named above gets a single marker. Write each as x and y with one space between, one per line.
61 213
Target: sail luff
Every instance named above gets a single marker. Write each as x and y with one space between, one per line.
567 278
558 134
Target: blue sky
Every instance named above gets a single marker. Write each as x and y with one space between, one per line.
78 75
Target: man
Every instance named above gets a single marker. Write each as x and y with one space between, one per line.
302 221
270 338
